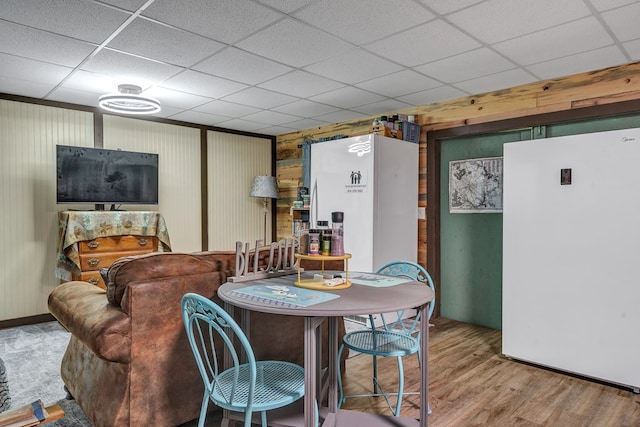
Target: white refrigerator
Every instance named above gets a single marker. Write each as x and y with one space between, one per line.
374 181
571 242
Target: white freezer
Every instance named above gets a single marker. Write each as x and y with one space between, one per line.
571 290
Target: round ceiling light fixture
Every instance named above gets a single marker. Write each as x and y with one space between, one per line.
129 101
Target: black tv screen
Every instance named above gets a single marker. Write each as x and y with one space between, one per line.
98 175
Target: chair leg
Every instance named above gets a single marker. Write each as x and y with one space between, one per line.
400 386
375 375
263 417
341 398
203 409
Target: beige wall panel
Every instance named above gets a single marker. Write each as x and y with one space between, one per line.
178 149
28 218
233 161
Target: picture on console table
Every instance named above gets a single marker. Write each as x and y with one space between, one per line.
97 175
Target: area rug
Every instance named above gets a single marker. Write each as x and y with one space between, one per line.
32 355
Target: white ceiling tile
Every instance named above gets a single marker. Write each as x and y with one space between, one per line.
497 20
128 68
592 60
568 39
175 98
260 98
398 84
293 43
79 19
354 66
347 97
224 108
431 96
241 66
224 20
426 43
624 22
301 83
72 96
241 124
633 49
306 124
305 108
198 117
208 57
469 65
156 41
35 44
448 6
87 81
286 6
383 107
23 87
167 111
603 5
503 80
202 84
275 130
363 21
339 116
31 70
130 5
270 117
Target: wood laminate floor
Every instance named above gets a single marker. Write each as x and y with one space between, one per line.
472 384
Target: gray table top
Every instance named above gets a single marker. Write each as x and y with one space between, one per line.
355 300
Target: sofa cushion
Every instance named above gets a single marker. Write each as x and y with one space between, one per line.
83 310
132 269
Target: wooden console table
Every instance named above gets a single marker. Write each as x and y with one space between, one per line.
91 240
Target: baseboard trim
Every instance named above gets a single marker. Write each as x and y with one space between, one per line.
31 320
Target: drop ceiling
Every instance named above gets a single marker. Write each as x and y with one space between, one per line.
278 66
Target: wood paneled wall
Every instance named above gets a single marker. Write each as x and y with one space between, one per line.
28 217
610 85
178 149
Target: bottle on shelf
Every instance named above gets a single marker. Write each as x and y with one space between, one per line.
314 242
325 231
337 233
325 245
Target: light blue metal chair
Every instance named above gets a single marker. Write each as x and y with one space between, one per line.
245 387
396 338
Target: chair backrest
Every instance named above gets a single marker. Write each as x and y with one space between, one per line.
413 271
206 322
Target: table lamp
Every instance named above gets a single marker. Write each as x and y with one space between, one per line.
267 188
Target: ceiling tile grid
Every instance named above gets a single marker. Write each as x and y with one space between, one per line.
277 66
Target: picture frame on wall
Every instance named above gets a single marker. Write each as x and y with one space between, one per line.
476 185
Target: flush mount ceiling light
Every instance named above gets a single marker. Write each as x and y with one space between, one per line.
129 101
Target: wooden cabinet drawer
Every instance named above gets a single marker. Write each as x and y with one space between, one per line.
94 261
118 243
93 277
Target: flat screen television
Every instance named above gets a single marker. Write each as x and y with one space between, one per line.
99 176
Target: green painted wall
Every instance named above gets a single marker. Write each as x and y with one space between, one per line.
471 243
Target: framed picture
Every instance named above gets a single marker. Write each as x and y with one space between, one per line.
475 185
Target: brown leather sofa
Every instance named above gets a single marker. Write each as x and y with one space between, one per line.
128 362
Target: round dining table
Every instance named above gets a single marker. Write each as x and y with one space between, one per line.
368 293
